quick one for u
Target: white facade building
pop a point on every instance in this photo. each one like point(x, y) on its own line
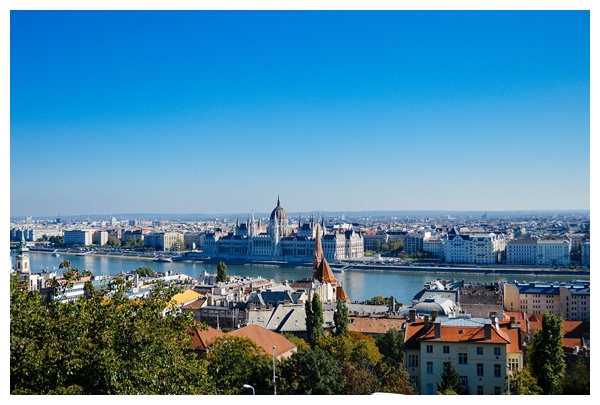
point(280, 242)
point(82, 237)
point(435, 246)
point(554, 252)
point(522, 251)
point(163, 240)
point(478, 248)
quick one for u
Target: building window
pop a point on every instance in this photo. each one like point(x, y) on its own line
point(497, 370)
point(462, 358)
point(480, 390)
point(479, 351)
point(496, 351)
point(465, 382)
point(429, 348)
point(414, 380)
point(497, 390)
point(446, 349)
point(413, 360)
point(430, 367)
point(479, 369)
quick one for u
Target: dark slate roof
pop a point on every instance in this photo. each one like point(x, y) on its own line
point(271, 297)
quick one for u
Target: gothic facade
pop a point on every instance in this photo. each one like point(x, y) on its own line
point(281, 241)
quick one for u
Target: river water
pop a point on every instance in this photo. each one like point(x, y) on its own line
point(360, 285)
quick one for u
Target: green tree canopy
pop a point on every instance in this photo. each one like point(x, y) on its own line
point(546, 355)
point(314, 320)
point(222, 272)
point(341, 319)
point(133, 243)
point(311, 372)
point(235, 361)
point(577, 379)
point(102, 346)
point(524, 383)
point(145, 272)
point(113, 242)
point(450, 380)
point(391, 346)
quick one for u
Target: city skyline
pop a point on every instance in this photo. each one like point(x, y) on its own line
point(222, 111)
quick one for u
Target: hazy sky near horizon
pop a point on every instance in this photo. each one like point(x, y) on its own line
point(222, 111)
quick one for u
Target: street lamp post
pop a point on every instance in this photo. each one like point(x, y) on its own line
point(508, 370)
point(274, 376)
point(247, 386)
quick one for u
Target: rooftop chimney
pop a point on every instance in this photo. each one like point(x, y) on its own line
point(434, 314)
point(487, 331)
point(412, 315)
point(437, 329)
point(426, 319)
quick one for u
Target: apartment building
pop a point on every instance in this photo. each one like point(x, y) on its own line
point(163, 240)
point(478, 248)
point(572, 301)
point(481, 352)
point(81, 237)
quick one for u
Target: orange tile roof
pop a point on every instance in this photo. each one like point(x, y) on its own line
point(576, 329)
point(324, 273)
point(196, 304)
point(571, 342)
point(468, 334)
point(341, 295)
point(505, 323)
point(265, 339)
point(375, 325)
point(414, 330)
point(201, 339)
point(515, 344)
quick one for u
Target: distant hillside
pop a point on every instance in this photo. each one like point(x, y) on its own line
point(326, 214)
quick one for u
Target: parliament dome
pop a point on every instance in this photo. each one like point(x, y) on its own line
point(278, 212)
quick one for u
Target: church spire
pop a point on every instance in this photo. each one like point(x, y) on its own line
point(317, 253)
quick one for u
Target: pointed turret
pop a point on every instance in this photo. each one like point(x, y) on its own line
point(317, 253)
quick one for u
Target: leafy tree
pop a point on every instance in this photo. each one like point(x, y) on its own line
point(450, 381)
point(133, 243)
point(314, 320)
point(546, 355)
point(57, 240)
point(379, 300)
point(222, 272)
point(577, 379)
point(100, 346)
point(113, 242)
point(297, 341)
point(358, 359)
point(145, 272)
point(340, 318)
point(391, 346)
point(524, 383)
point(395, 379)
point(311, 372)
point(235, 361)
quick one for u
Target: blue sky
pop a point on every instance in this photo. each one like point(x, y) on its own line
point(220, 112)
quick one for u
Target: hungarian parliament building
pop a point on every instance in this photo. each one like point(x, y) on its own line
point(283, 242)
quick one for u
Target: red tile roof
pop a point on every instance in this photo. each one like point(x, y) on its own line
point(201, 339)
point(467, 334)
point(265, 339)
point(324, 273)
point(375, 325)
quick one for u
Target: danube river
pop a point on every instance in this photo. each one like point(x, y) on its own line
point(360, 285)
